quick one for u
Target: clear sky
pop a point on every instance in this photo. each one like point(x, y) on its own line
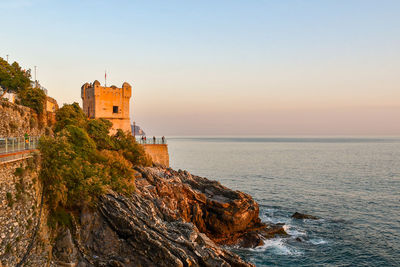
point(232, 67)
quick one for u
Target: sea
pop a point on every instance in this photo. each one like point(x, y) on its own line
point(352, 184)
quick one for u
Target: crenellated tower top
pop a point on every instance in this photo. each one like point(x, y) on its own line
point(110, 103)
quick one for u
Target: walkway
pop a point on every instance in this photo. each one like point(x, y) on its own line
point(16, 148)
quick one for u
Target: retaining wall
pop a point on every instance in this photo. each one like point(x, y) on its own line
point(158, 153)
point(20, 199)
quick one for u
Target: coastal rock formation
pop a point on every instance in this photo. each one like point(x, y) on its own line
point(302, 216)
point(173, 219)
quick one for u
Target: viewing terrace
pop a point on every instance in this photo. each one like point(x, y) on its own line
point(152, 141)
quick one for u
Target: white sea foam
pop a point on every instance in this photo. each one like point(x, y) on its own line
point(274, 220)
point(318, 241)
point(277, 246)
point(291, 230)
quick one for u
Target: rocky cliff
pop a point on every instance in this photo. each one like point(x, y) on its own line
point(17, 120)
point(173, 219)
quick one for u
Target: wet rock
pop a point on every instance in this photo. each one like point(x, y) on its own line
point(302, 216)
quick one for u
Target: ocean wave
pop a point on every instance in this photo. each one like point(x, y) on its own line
point(273, 219)
point(277, 246)
point(292, 231)
point(318, 241)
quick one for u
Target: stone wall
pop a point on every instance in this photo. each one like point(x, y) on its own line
point(158, 153)
point(20, 200)
point(17, 120)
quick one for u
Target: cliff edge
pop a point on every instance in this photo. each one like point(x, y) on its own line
point(173, 219)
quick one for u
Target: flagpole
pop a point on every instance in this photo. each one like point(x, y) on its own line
point(105, 78)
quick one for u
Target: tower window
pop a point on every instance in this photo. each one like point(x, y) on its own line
point(115, 109)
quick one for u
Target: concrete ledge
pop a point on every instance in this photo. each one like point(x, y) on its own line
point(20, 155)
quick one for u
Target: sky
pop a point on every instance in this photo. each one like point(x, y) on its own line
point(254, 67)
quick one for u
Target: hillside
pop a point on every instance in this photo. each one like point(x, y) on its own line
point(103, 207)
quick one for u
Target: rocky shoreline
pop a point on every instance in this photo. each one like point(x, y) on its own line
point(173, 219)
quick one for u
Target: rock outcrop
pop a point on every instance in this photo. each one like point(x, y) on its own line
point(173, 219)
point(302, 216)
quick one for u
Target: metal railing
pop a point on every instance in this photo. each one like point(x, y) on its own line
point(15, 144)
point(152, 141)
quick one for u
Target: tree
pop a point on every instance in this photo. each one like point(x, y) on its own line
point(33, 98)
point(70, 114)
point(13, 78)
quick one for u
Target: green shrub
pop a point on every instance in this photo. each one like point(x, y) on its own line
point(33, 98)
point(12, 77)
point(9, 199)
point(98, 130)
point(59, 217)
point(8, 248)
point(82, 161)
point(19, 172)
point(131, 150)
point(70, 115)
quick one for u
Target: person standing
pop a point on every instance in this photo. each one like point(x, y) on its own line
point(26, 136)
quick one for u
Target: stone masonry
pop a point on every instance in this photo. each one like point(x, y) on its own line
point(110, 103)
point(20, 199)
point(17, 120)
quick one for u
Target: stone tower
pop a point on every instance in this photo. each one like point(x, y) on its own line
point(109, 103)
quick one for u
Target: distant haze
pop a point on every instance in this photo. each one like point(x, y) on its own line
point(221, 67)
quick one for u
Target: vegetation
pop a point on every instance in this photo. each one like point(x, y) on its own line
point(33, 98)
point(13, 78)
point(82, 161)
point(9, 199)
point(8, 248)
point(19, 172)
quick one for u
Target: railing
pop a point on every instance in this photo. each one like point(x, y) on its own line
point(15, 144)
point(152, 141)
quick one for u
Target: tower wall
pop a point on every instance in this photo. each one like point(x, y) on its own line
point(110, 103)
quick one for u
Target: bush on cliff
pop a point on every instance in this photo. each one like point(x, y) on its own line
point(82, 161)
point(70, 115)
point(33, 98)
point(130, 149)
point(13, 78)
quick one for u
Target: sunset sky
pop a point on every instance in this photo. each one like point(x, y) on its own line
point(221, 67)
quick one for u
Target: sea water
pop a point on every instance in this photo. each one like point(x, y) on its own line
point(351, 184)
